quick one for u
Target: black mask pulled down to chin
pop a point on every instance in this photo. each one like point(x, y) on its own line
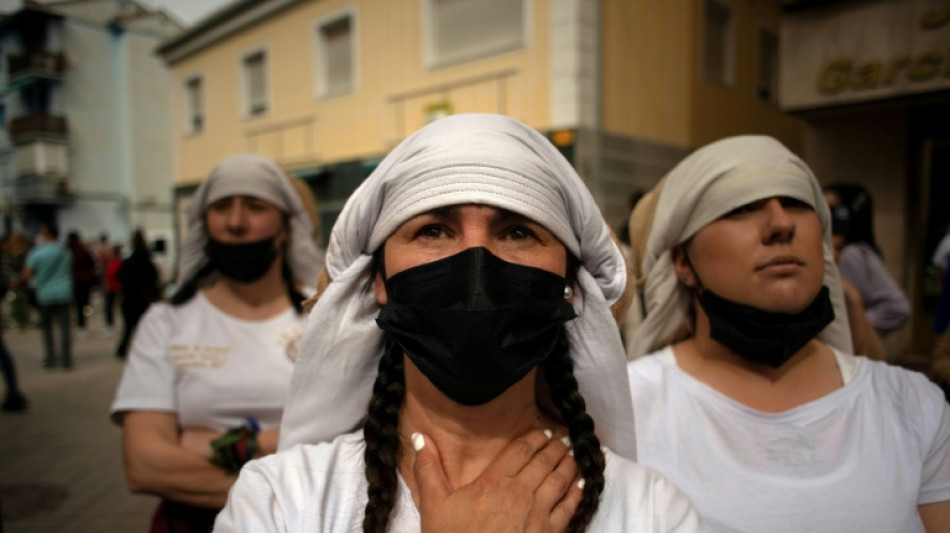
point(475, 324)
point(762, 336)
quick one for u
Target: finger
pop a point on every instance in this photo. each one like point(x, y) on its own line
point(556, 484)
point(518, 453)
point(430, 476)
point(562, 513)
point(544, 463)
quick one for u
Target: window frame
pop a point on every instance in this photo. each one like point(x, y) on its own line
point(431, 60)
point(321, 77)
point(728, 79)
point(761, 29)
point(246, 105)
point(190, 128)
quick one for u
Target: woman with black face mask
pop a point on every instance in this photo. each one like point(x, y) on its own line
point(745, 391)
point(462, 366)
point(208, 372)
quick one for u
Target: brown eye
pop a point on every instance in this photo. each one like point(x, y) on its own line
point(431, 231)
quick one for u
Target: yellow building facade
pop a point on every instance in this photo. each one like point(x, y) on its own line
point(328, 87)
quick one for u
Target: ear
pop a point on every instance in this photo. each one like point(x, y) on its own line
point(684, 273)
point(379, 289)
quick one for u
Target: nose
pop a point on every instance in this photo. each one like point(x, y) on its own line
point(236, 219)
point(779, 226)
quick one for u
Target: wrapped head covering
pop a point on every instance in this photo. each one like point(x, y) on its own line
point(484, 159)
point(257, 176)
point(708, 184)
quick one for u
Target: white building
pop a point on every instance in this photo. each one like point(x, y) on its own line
point(87, 114)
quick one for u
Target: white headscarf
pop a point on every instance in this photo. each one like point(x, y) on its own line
point(485, 159)
point(257, 176)
point(709, 183)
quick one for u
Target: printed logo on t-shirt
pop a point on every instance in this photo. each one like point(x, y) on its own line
point(290, 341)
point(198, 356)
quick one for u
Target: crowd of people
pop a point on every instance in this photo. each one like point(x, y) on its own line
point(45, 284)
point(478, 351)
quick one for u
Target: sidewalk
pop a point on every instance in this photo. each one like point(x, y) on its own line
point(61, 460)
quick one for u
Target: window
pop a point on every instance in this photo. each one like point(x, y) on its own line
point(255, 83)
point(194, 105)
point(767, 88)
point(336, 56)
point(461, 30)
point(718, 43)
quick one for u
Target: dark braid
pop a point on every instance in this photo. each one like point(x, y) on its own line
point(380, 431)
point(296, 297)
point(559, 373)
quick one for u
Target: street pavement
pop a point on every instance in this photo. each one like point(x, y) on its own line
point(61, 460)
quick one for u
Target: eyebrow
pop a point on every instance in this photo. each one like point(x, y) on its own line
point(451, 211)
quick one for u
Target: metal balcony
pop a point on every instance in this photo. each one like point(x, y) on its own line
point(38, 126)
point(36, 189)
point(25, 68)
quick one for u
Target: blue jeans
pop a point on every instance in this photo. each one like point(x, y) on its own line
point(60, 314)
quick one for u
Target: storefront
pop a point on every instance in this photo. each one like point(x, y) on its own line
point(871, 79)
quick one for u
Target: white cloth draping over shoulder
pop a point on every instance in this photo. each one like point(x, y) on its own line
point(486, 159)
point(257, 176)
point(709, 183)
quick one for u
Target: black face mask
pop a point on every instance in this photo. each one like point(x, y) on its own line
point(762, 336)
point(475, 324)
point(243, 263)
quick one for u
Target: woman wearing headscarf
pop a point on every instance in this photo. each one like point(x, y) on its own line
point(750, 399)
point(208, 372)
point(462, 366)
point(860, 259)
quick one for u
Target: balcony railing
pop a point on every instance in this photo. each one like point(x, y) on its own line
point(40, 190)
point(38, 126)
point(41, 64)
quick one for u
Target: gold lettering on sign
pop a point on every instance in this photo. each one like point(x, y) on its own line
point(926, 66)
point(936, 19)
point(893, 67)
point(834, 77)
point(866, 76)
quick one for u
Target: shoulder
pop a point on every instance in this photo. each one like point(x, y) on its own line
point(294, 489)
point(637, 498)
point(652, 368)
point(912, 397)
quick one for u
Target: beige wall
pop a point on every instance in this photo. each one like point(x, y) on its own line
point(648, 54)
point(724, 111)
point(393, 87)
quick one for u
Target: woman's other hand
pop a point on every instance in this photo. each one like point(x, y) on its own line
point(531, 486)
point(198, 441)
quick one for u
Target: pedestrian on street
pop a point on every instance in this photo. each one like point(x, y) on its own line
point(13, 399)
point(84, 277)
point(138, 278)
point(111, 286)
point(208, 372)
point(20, 305)
point(49, 267)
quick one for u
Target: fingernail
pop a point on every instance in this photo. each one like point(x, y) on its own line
point(566, 440)
point(580, 484)
point(418, 442)
point(549, 434)
point(571, 452)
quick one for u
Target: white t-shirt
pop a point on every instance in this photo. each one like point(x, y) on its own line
point(323, 488)
point(212, 369)
point(859, 459)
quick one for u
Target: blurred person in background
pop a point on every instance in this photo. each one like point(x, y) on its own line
point(138, 279)
point(13, 399)
point(861, 261)
point(747, 395)
point(111, 286)
point(84, 278)
point(49, 268)
point(208, 372)
point(20, 304)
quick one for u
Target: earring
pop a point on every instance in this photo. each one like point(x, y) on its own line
point(568, 292)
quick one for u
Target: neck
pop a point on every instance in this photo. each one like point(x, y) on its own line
point(468, 438)
point(808, 375)
point(261, 298)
